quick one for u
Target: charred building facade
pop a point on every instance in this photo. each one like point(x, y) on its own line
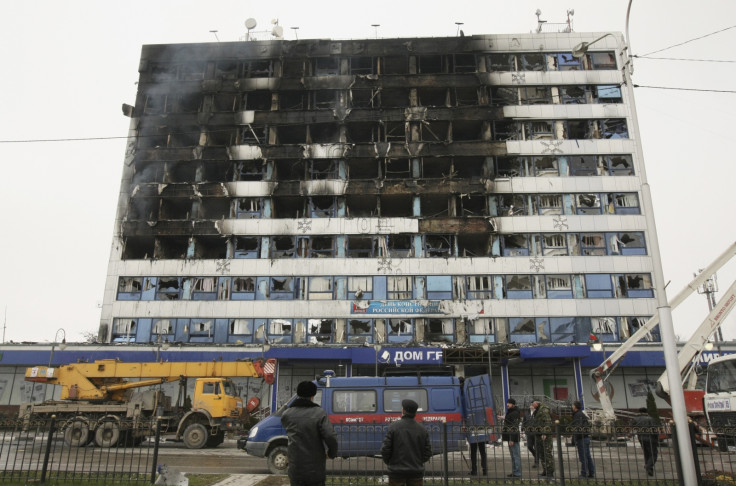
point(463, 194)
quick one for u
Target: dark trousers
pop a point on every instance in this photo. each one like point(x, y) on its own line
point(405, 481)
point(531, 445)
point(651, 450)
point(306, 482)
point(478, 448)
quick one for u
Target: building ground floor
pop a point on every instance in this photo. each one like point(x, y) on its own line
point(560, 373)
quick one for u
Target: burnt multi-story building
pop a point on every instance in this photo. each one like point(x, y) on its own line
point(350, 202)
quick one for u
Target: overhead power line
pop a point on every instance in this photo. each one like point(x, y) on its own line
point(687, 89)
point(688, 41)
point(681, 59)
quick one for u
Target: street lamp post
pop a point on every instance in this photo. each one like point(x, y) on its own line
point(666, 327)
point(62, 344)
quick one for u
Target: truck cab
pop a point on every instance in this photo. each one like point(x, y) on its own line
point(361, 409)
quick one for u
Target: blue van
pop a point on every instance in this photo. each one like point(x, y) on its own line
point(361, 409)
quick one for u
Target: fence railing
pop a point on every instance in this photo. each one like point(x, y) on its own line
point(619, 458)
point(67, 450)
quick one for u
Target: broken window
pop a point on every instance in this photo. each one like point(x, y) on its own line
point(227, 70)
point(244, 288)
point(360, 288)
point(364, 98)
point(479, 287)
point(546, 166)
point(283, 247)
point(243, 328)
point(481, 330)
point(292, 134)
point(535, 95)
point(501, 62)
point(433, 206)
point(627, 244)
point(602, 60)
point(472, 205)
point(505, 130)
point(363, 65)
point(162, 72)
point(511, 167)
point(629, 326)
point(438, 246)
point(280, 331)
point(399, 330)
point(634, 286)
point(321, 247)
point(554, 244)
point(364, 132)
point(504, 96)
point(511, 205)
point(464, 63)
point(566, 62)
point(162, 328)
point(281, 288)
point(362, 246)
point(251, 134)
point(257, 100)
point(320, 330)
point(130, 288)
point(538, 130)
point(360, 331)
point(325, 99)
point(292, 68)
point(523, 329)
point(358, 206)
point(210, 247)
point(171, 247)
point(396, 168)
point(613, 128)
point(573, 95)
point(293, 100)
point(124, 330)
point(465, 96)
point(324, 133)
point(322, 207)
point(260, 68)
point(592, 244)
point(394, 98)
point(399, 246)
point(564, 330)
point(204, 288)
point(467, 130)
point(395, 65)
point(435, 131)
point(436, 168)
point(290, 170)
point(137, 248)
point(620, 165)
point(532, 62)
point(432, 96)
point(439, 287)
point(549, 204)
point(588, 204)
point(608, 94)
point(192, 71)
point(326, 66)
point(558, 286)
point(201, 330)
point(248, 207)
point(168, 289)
point(518, 286)
point(249, 170)
point(623, 203)
point(247, 247)
point(583, 165)
point(321, 288)
point(473, 245)
point(214, 208)
point(399, 287)
point(321, 169)
point(226, 102)
point(363, 168)
point(397, 206)
point(439, 330)
point(578, 130)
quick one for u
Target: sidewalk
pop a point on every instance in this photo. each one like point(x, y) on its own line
point(243, 480)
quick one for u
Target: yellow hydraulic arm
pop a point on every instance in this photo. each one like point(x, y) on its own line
point(101, 379)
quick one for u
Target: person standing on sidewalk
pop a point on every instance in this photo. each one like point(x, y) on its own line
point(581, 439)
point(648, 435)
point(531, 436)
point(406, 448)
point(544, 425)
point(512, 435)
point(311, 438)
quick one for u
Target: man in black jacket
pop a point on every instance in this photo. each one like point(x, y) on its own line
point(648, 434)
point(310, 432)
point(581, 438)
point(512, 435)
point(406, 448)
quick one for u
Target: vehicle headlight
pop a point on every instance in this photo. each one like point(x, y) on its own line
point(253, 432)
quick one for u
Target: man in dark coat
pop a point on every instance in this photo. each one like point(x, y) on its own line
point(310, 433)
point(581, 438)
point(406, 448)
point(511, 435)
point(648, 435)
point(531, 436)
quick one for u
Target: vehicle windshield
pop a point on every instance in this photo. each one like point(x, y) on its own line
point(228, 387)
point(722, 377)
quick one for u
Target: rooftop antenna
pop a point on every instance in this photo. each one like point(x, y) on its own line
point(458, 27)
point(376, 26)
point(5, 323)
point(570, 13)
point(215, 34)
point(250, 24)
point(296, 34)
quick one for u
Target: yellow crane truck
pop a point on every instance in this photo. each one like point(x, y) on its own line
point(100, 401)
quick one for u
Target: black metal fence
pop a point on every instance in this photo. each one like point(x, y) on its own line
point(619, 456)
point(71, 450)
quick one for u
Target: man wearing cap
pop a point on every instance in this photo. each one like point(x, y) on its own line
point(511, 434)
point(310, 433)
point(406, 448)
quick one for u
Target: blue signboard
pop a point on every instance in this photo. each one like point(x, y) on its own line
point(399, 356)
point(396, 307)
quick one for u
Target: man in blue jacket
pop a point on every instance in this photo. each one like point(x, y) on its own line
point(406, 448)
point(310, 432)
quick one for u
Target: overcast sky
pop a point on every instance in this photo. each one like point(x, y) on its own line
point(69, 66)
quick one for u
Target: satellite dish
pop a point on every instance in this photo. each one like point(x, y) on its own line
point(250, 23)
point(572, 11)
point(538, 13)
point(275, 21)
point(277, 31)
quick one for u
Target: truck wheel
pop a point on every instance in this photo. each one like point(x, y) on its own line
point(77, 433)
point(107, 434)
point(278, 460)
point(195, 436)
point(216, 440)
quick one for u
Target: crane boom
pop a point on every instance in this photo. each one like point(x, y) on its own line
point(600, 373)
